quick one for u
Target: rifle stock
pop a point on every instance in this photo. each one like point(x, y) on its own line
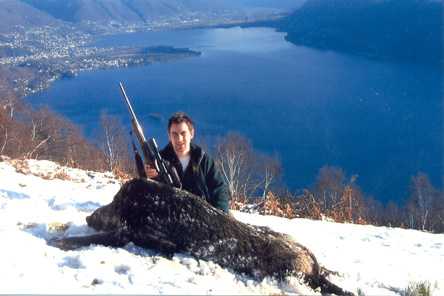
point(153, 160)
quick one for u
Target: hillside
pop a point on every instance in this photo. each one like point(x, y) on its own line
point(16, 15)
point(105, 15)
point(410, 31)
point(130, 10)
point(41, 201)
point(48, 36)
point(287, 4)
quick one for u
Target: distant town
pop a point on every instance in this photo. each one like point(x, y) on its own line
point(33, 57)
point(63, 51)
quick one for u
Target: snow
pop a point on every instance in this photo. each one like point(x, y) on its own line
point(36, 207)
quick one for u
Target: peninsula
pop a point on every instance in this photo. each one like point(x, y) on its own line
point(50, 55)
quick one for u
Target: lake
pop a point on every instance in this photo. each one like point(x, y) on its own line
point(381, 120)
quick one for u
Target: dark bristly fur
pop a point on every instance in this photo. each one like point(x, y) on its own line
point(155, 216)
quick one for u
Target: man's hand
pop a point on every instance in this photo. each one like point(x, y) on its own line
point(150, 172)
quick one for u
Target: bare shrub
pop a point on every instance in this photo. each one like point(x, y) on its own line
point(308, 206)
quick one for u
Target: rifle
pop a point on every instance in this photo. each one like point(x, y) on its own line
point(152, 156)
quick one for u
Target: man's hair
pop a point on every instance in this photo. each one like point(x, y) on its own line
point(178, 118)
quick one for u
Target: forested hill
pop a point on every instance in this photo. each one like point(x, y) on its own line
point(407, 30)
point(16, 15)
point(129, 10)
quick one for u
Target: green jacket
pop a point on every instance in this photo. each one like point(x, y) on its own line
point(202, 177)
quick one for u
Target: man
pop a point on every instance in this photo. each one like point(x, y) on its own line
point(193, 169)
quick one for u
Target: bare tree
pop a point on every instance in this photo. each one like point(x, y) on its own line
point(393, 215)
point(248, 173)
point(28, 132)
point(437, 214)
point(81, 153)
point(237, 162)
point(10, 103)
point(329, 187)
point(112, 141)
point(51, 136)
point(47, 133)
point(10, 128)
point(339, 198)
point(271, 171)
point(373, 212)
point(352, 207)
point(5, 129)
point(419, 206)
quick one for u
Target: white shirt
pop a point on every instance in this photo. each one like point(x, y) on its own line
point(185, 161)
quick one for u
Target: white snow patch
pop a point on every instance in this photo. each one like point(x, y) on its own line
point(34, 210)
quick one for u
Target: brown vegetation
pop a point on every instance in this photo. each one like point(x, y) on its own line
point(26, 132)
point(254, 179)
point(424, 209)
point(333, 196)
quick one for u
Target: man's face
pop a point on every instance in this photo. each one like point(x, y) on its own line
point(180, 136)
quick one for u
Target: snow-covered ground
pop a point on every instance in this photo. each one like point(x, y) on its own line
point(35, 207)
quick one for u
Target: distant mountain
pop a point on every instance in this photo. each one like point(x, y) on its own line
point(127, 10)
point(286, 4)
point(407, 30)
point(15, 15)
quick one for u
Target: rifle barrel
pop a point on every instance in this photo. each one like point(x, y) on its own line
point(155, 161)
point(130, 108)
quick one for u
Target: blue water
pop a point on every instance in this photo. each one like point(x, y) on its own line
point(381, 120)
